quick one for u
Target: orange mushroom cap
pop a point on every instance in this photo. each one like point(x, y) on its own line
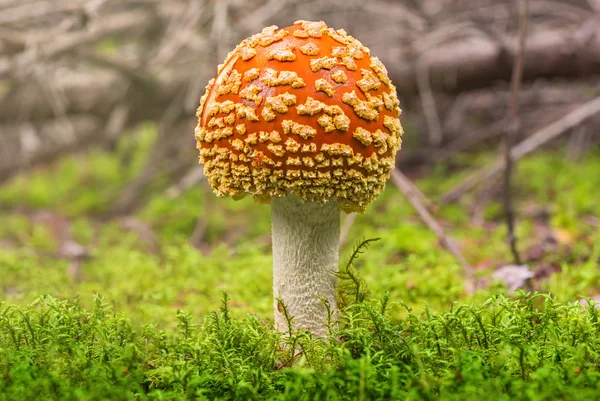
point(303, 110)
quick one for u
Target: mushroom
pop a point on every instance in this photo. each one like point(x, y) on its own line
point(304, 118)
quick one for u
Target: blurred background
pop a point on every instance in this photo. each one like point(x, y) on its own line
point(101, 191)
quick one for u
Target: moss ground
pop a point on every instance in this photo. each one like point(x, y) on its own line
point(143, 316)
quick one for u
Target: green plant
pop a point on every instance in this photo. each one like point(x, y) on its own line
point(530, 348)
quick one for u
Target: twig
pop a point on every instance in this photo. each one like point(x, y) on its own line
point(38, 33)
point(16, 40)
point(31, 11)
point(219, 25)
point(199, 231)
point(469, 140)
point(25, 145)
point(397, 10)
point(428, 104)
point(194, 92)
point(219, 32)
point(126, 200)
point(116, 25)
point(541, 137)
point(257, 18)
point(406, 187)
point(578, 143)
point(479, 61)
point(183, 30)
point(117, 120)
point(484, 196)
point(56, 99)
point(421, 196)
point(133, 72)
point(195, 176)
point(513, 129)
point(441, 35)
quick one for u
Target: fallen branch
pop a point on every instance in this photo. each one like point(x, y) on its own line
point(128, 198)
point(411, 188)
point(525, 147)
point(468, 141)
point(175, 56)
point(192, 178)
point(478, 62)
point(27, 145)
point(407, 188)
point(31, 11)
point(134, 73)
point(124, 22)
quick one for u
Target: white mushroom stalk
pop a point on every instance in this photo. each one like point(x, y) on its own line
point(305, 260)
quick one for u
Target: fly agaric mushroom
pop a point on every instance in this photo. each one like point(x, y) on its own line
point(305, 118)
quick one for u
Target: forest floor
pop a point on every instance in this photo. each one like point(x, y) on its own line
point(66, 265)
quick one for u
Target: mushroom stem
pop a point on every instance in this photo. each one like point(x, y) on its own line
point(305, 260)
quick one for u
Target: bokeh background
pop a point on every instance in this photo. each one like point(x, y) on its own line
point(101, 191)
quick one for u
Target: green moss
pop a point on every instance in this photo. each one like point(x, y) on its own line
point(503, 349)
point(408, 262)
point(492, 348)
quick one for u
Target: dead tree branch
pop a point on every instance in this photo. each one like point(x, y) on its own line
point(122, 63)
point(119, 24)
point(193, 178)
point(478, 62)
point(541, 137)
point(27, 145)
point(407, 188)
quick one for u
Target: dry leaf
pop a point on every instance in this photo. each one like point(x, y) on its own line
point(514, 276)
